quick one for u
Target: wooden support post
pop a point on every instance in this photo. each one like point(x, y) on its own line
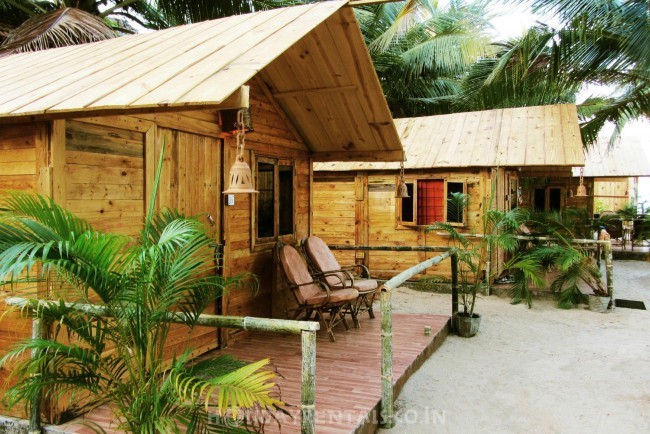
point(35, 405)
point(386, 412)
point(454, 289)
point(307, 404)
point(609, 272)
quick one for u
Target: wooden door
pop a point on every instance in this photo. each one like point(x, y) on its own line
point(191, 183)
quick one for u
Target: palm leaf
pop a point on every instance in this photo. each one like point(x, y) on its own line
point(65, 26)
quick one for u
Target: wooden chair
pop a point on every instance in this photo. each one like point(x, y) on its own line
point(322, 260)
point(314, 296)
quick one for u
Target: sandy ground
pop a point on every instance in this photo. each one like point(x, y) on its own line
point(539, 370)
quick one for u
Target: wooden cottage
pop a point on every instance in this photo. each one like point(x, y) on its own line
point(84, 124)
point(355, 204)
point(612, 174)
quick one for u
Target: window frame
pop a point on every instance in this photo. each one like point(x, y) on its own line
point(267, 243)
point(413, 180)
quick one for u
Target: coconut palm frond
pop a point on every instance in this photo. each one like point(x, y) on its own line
point(244, 387)
point(527, 272)
point(66, 26)
point(400, 18)
point(448, 55)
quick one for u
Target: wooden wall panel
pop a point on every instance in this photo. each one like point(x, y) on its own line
point(104, 176)
point(611, 194)
point(335, 200)
point(273, 137)
point(18, 171)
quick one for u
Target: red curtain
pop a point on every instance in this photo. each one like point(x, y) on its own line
point(431, 205)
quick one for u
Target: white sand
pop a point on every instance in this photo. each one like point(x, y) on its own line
point(541, 370)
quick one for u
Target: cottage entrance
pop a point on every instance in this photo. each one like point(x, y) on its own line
point(191, 183)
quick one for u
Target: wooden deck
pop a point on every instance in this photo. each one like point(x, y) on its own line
point(348, 373)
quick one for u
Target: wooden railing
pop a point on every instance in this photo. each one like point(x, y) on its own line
point(307, 330)
point(387, 398)
point(386, 409)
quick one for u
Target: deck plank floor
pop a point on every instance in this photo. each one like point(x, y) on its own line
point(348, 371)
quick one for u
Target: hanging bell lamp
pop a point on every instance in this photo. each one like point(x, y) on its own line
point(241, 178)
point(582, 189)
point(402, 190)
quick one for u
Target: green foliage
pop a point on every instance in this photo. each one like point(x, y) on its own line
point(499, 230)
point(597, 43)
point(574, 264)
point(421, 50)
point(114, 353)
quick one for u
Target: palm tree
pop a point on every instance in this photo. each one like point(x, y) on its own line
point(525, 71)
point(604, 43)
point(421, 50)
point(114, 353)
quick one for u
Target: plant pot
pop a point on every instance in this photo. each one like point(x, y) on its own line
point(628, 225)
point(467, 326)
point(597, 303)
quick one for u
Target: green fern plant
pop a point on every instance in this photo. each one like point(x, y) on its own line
point(574, 264)
point(115, 354)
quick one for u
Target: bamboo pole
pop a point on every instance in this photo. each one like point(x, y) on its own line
point(35, 405)
point(245, 323)
point(416, 269)
point(307, 404)
point(609, 272)
point(386, 412)
point(307, 330)
point(390, 248)
point(454, 290)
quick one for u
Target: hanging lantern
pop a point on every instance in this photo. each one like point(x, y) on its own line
point(402, 189)
point(582, 189)
point(241, 178)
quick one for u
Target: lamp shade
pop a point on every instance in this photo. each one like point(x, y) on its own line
point(402, 190)
point(241, 179)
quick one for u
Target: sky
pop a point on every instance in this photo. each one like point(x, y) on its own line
point(512, 21)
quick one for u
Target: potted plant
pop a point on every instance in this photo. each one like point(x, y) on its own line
point(498, 230)
point(627, 215)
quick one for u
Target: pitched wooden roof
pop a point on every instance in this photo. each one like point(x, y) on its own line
point(528, 136)
point(628, 157)
point(312, 58)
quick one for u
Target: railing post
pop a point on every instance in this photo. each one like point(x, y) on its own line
point(454, 289)
point(386, 412)
point(307, 404)
point(35, 405)
point(609, 272)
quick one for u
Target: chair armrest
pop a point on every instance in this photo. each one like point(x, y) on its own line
point(336, 273)
point(313, 282)
point(365, 273)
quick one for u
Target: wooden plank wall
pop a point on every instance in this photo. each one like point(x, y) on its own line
point(334, 214)
point(19, 146)
point(337, 196)
point(104, 176)
point(611, 194)
point(273, 137)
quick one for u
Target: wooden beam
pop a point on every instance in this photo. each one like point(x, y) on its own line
point(321, 90)
point(267, 92)
point(236, 100)
point(358, 156)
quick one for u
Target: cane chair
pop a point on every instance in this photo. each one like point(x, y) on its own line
point(322, 260)
point(313, 295)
